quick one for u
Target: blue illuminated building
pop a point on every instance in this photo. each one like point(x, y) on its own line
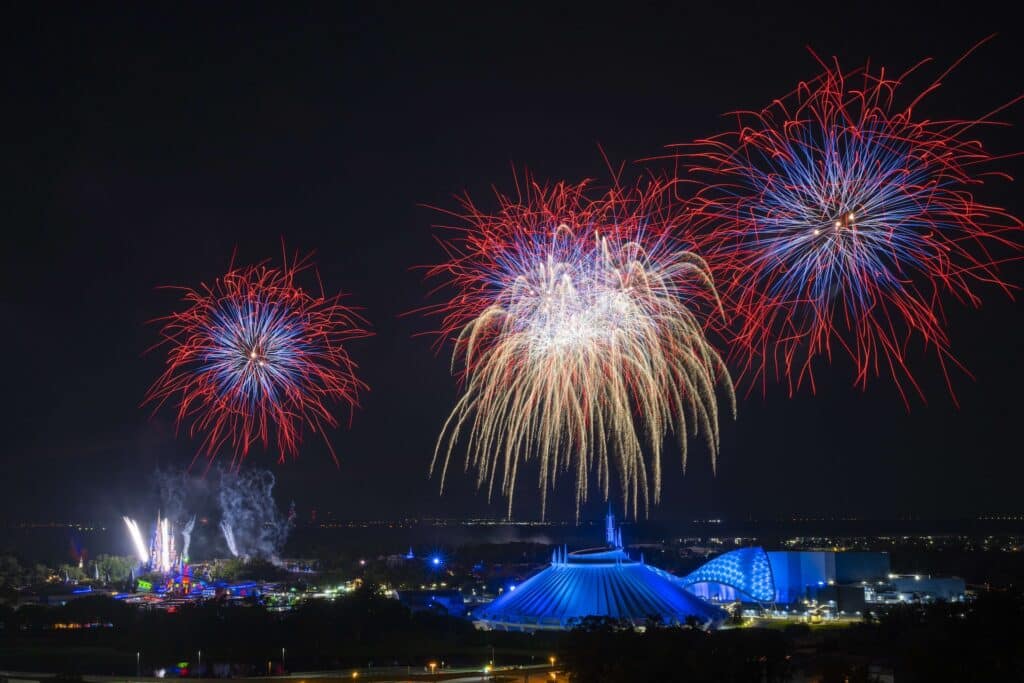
point(744, 574)
point(448, 601)
point(782, 577)
point(603, 582)
point(606, 582)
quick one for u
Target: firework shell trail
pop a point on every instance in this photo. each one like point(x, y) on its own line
point(136, 537)
point(229, 537)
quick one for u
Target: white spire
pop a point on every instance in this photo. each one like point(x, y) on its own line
point(609, 527)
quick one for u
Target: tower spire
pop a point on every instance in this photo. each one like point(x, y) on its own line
point(609, 527)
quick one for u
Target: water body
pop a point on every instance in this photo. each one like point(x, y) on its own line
point(55, 543)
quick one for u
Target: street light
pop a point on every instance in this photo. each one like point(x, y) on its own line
point(138, 667)
point(433, 666)
point(282, 659)
point(199, 658)
point(552, 660)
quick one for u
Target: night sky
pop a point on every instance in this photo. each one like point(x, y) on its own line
point(143, 147)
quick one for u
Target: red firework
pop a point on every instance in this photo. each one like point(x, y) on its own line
point(255, 357)
point(577, 320)
point(836, 221)
point(485, 248)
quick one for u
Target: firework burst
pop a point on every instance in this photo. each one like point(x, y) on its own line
point(836, 222)
point(256, 358)
point(578, 334)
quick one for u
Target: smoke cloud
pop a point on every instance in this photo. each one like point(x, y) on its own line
point(248, 509)
point(240, 505)
point(186, 537)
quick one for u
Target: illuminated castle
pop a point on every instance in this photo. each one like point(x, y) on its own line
point(603, 582)
point(162, 554)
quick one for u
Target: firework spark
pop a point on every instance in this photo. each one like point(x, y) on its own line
point(163, 530)
point(229, 537)
point(578, 335)
point(255, 354)
point(136, 536)
point(835, 221)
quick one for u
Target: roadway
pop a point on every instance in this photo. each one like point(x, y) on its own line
point(502, 674)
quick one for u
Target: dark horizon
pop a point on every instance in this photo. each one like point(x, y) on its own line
point(149, 146)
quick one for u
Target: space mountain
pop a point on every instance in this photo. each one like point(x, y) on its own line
point(602, 582)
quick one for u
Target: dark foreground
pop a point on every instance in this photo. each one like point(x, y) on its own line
point(376, 637)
